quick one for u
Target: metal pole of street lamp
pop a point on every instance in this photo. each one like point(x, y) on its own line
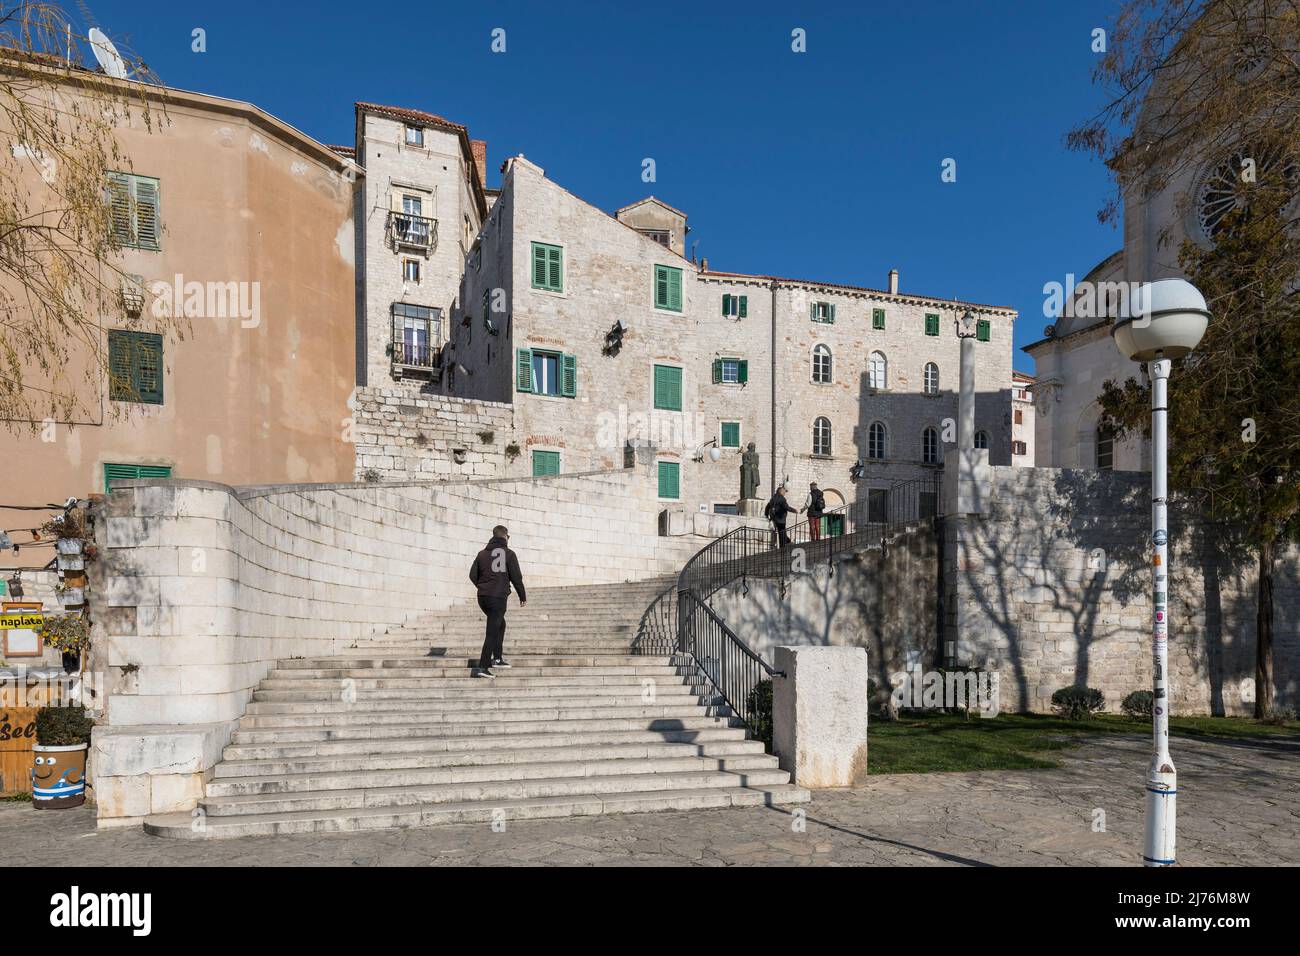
point(1165, 320)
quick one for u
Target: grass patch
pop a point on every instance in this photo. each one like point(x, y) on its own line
point(20, 797)
point(943, 743)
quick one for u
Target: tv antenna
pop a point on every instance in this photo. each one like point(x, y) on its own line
point(107, 54)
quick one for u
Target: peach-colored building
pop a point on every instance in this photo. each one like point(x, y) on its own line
point(244, 225)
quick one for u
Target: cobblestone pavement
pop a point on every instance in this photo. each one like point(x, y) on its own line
point(1238, 803)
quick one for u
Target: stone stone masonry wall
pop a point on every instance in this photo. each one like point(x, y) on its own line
point(203, 587)
point(406, 436)
point(1052, 587)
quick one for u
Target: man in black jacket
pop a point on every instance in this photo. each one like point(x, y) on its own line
point(776, 511)
point(493, 572)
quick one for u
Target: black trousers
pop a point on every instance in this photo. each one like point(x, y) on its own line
point(782, 539)
point(495, 609)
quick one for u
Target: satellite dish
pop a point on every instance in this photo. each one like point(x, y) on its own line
point(107, 54)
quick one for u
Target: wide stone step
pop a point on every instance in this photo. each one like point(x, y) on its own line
point(367, 761)
point(336, 712)
point(700, 720)
point(467, 746)
point(439, 698)
point(569, 709)
point(345, 669)
point(461, 672)
point(186, 826)
point(394, 777)
point(369, 797)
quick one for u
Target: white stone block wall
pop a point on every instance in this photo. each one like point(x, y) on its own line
point(203, 587)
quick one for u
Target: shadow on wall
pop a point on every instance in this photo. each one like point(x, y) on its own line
point(884, 599)
point(1055, 584)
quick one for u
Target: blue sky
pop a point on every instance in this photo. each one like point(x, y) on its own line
point(824, 164)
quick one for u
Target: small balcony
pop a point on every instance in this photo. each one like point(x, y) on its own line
point(416, 345)
point(408, 231)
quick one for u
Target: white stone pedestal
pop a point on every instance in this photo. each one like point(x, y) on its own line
point(819, 715)
point(750, 507)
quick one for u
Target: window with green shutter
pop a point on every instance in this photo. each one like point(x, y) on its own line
point(135, 367)
point(735, 306)
point(548, 267)
point(114, 472)
point(668, 388)
point(545, 463)
point(668, 288)
point(730, 371)
point(982, 330)
point(730, 435)
point(546, 373)
point(670, 479)
point(877, 318)
point(931, 324)
point(134, 210)
point(823, 312)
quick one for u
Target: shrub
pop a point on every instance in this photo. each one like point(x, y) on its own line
point(1138, 704)
point(69, 633)
point(1076, 703)
point(1279, 716)
point(760, 712)
point(62, 726)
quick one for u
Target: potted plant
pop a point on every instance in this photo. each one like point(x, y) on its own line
point(59, 755)
point(68, 634)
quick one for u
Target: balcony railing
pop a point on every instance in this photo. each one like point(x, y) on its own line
point(417, 356)
point(415, 232)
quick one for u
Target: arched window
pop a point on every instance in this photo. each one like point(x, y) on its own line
point(1105, 449)
point(981, 439)
point(931, 379)
point(822, 436)
point(930, 446)
point(878, 371)
point(821, 361)
point(877, 441)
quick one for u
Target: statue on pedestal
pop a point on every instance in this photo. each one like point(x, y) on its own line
point(749, 473)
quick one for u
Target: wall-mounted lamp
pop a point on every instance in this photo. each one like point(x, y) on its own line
point(614, 338)
point(858, 471)
point(715, 452)
point(967, 322)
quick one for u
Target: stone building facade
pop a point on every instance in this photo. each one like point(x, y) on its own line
point(600, 336)
point(1022, 420)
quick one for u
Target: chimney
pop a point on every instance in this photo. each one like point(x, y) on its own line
point(893, 282)
point(478, 147)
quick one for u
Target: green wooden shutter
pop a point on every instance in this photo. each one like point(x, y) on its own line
point(812, 311)
point(146, 213)
point(668, 388)
point(931, 324)
point(982, 330)
point(717, 371)
point(670, 484)
point(831, 316)
point(569, 376)
point(661, 287)
point(114, 472)
point(742, 371)
point(555, 271)
point(726, 305)
point(675, 289)
point(539, 266)
point(731, 434)
point(119, 207)
point(524, 370)
point(545, 463)
point(878, 318)
point(744, 306)
point(120, 379)
point(148, 367)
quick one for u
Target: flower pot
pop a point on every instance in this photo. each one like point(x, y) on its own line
point(72, 597)
point(71, 662)
point(68, 545)
point(71, 562)
point(59, 776)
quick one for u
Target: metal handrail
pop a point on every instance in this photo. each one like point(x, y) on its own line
point(722, 658)
point(656, 632)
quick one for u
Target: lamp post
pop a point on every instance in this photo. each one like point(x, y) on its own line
point(966, 332)
point(1165, 321)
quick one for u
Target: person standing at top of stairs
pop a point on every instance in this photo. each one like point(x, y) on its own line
point(494, 571)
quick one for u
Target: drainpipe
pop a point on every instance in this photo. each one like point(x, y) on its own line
point(772, 363)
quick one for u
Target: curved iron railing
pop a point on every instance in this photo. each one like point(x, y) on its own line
point(680, 623)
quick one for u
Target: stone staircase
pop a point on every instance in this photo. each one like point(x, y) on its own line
point(395, 733)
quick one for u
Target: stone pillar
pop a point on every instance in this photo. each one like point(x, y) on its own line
point(819, 715)
point(966, 395)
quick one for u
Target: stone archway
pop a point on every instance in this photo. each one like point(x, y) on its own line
point(834, 499)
